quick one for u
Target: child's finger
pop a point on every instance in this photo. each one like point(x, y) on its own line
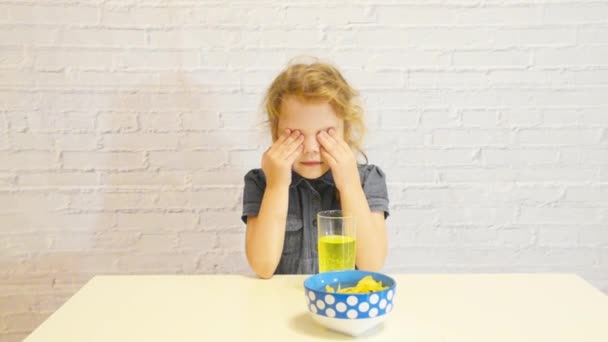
point(289, 149)
point(295, 154)
point(328, 143)
point(293, 138)
point(328, 157)
point(285, 134)
point(338, 140)
point(294, 143)
point(281, 139)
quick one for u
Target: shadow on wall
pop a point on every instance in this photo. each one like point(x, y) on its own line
point(167, 180)
point(154, 187)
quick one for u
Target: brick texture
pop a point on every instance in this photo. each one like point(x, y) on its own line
point(126, 128)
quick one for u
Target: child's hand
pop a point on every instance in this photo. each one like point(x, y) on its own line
point(340, 158)
point(279, 158)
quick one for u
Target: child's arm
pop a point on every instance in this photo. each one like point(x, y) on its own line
point(371, 227)
point(266, 231)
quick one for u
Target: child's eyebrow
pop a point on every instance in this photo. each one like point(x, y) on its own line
point(322, 129)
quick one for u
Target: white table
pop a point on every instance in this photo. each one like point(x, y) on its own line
point(428, 307)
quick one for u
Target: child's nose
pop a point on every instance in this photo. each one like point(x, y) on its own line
point(311, 145)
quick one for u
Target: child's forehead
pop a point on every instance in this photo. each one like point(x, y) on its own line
point(297, 114)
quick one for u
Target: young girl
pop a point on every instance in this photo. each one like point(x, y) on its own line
point(310, 167)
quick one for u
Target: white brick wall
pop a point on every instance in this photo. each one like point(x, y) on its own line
point(126, 128)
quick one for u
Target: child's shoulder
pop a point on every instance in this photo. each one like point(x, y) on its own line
point(371, 173)
point(366, 169)
point(256, 175)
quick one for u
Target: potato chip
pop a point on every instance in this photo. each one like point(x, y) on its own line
point(366, 285)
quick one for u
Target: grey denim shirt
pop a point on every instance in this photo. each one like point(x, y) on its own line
point(306, 198)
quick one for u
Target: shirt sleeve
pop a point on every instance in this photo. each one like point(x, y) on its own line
point(374, 186)
point(253, 192)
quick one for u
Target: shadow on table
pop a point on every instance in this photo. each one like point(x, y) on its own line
point(304, 325)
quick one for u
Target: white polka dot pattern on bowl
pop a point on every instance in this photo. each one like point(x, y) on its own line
point(351, 314)
point(349, 306)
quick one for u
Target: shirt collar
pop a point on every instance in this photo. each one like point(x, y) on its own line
point(327, 178)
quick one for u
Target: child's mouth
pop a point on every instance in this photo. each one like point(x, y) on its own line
point(312, 163)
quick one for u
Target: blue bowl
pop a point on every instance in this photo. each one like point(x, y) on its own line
point(351, 313)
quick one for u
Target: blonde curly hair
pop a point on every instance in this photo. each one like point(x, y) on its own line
point(317, 81)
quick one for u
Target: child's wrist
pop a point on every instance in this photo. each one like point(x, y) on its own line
point(277, 186)
point(350, 189)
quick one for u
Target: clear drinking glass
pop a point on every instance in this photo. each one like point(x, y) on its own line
point(336, 241)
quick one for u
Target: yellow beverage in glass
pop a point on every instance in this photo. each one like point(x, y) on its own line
point(336, 252)
point(336, 241)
